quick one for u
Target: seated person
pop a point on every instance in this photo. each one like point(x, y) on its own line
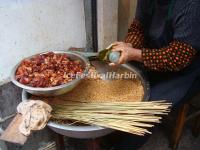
point(165, 38)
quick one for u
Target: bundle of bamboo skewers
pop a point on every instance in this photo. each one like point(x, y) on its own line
point(131, 117)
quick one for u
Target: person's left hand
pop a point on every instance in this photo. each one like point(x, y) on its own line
point(128, 53)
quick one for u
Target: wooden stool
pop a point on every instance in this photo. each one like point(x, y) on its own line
point(181, 119)
point(60, 145)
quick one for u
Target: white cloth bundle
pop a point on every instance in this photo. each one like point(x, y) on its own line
point(35, 115)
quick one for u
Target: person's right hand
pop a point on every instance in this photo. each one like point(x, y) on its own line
point(127, 52)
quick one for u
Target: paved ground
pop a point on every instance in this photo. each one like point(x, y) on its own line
point(10, 96)
point(158, 141)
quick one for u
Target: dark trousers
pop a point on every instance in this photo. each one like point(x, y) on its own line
point(125, 141)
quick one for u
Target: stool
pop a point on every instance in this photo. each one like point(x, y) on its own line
point(181, 119)
point(60, 145)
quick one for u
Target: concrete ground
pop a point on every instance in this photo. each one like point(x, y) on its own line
point(159, 141)
point(10, 96)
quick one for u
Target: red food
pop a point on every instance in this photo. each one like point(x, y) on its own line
point(48, 70)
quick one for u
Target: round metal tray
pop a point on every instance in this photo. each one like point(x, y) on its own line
point(85, 132)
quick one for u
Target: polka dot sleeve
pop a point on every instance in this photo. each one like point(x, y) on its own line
point(175, 57)
point(135, 35)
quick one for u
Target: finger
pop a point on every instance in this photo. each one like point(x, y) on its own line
point(111, 45)
point(129, 44)
point(112, 64)
point(118, 44)
point(121, 60)
point(118, 49)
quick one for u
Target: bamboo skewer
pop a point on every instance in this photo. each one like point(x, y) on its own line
point(131, 117)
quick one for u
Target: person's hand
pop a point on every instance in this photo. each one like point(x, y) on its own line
point(128, 53)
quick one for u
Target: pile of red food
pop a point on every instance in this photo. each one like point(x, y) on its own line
point(48, 70)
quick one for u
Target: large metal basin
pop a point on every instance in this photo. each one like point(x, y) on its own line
point(86, 132)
